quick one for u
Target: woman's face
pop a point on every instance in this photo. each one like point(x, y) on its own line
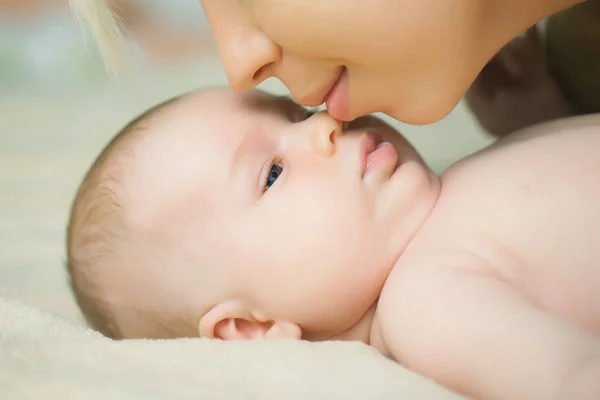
point(411, 59)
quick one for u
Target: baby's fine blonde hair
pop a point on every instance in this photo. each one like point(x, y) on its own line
point(98, 229)
point(97, 17)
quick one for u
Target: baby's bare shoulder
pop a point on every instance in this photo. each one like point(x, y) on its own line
point(573, 140)
point(449, 317)
point(534, 178)
point(508, 220)
point(431, 263)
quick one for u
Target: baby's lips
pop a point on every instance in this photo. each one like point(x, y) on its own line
point(368, 145)
point(383, 155)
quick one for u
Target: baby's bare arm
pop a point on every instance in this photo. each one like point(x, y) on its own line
point(477, 335)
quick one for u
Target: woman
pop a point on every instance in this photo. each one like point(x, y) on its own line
point(411, 59)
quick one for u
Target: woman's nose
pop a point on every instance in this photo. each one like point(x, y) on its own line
point(249, 58)
point(324, 131)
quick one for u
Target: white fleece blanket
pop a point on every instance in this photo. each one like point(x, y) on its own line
point(47, 140)
point(44, 356)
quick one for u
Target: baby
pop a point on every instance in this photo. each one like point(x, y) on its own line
point(243, 216)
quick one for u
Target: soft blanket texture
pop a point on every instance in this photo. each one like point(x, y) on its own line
point(42, 355)
point(47, 142)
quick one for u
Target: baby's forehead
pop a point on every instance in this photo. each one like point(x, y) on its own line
point(214, 119)
point(189, 146)
point(216, 113)
point(266, 102)
point(253, 101)
point(224, 100)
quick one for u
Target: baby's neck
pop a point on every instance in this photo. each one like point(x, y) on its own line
point(366, 329)
point(361, 331)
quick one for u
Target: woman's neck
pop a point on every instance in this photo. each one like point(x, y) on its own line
point(504, 19)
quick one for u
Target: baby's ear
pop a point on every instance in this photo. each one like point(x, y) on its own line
point(231, 320)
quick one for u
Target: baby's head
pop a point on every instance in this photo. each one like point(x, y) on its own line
point(241, 215)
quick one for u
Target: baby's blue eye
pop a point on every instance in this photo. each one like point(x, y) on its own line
point(274, 172)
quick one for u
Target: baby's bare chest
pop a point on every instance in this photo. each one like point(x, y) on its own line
point(533, 214)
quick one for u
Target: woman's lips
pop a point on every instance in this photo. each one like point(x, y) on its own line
point(326, 93)
point(337, 98)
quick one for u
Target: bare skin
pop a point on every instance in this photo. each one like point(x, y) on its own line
point(484, 279)
point(412, 60)
point(532, 80)
point(516, 88)
point(497, 296)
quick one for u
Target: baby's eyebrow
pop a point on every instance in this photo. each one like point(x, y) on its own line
point(293, 106)
point(280, 105)
point(248, 144)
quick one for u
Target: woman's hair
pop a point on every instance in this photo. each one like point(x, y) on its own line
point(97, 18)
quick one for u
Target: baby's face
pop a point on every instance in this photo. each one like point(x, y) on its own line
point(250, 198)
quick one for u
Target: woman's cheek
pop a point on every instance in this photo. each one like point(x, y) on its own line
point(284, 22)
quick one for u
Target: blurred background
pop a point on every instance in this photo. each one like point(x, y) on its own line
point(58, 108)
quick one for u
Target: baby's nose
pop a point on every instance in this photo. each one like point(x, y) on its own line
point(324, 132)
